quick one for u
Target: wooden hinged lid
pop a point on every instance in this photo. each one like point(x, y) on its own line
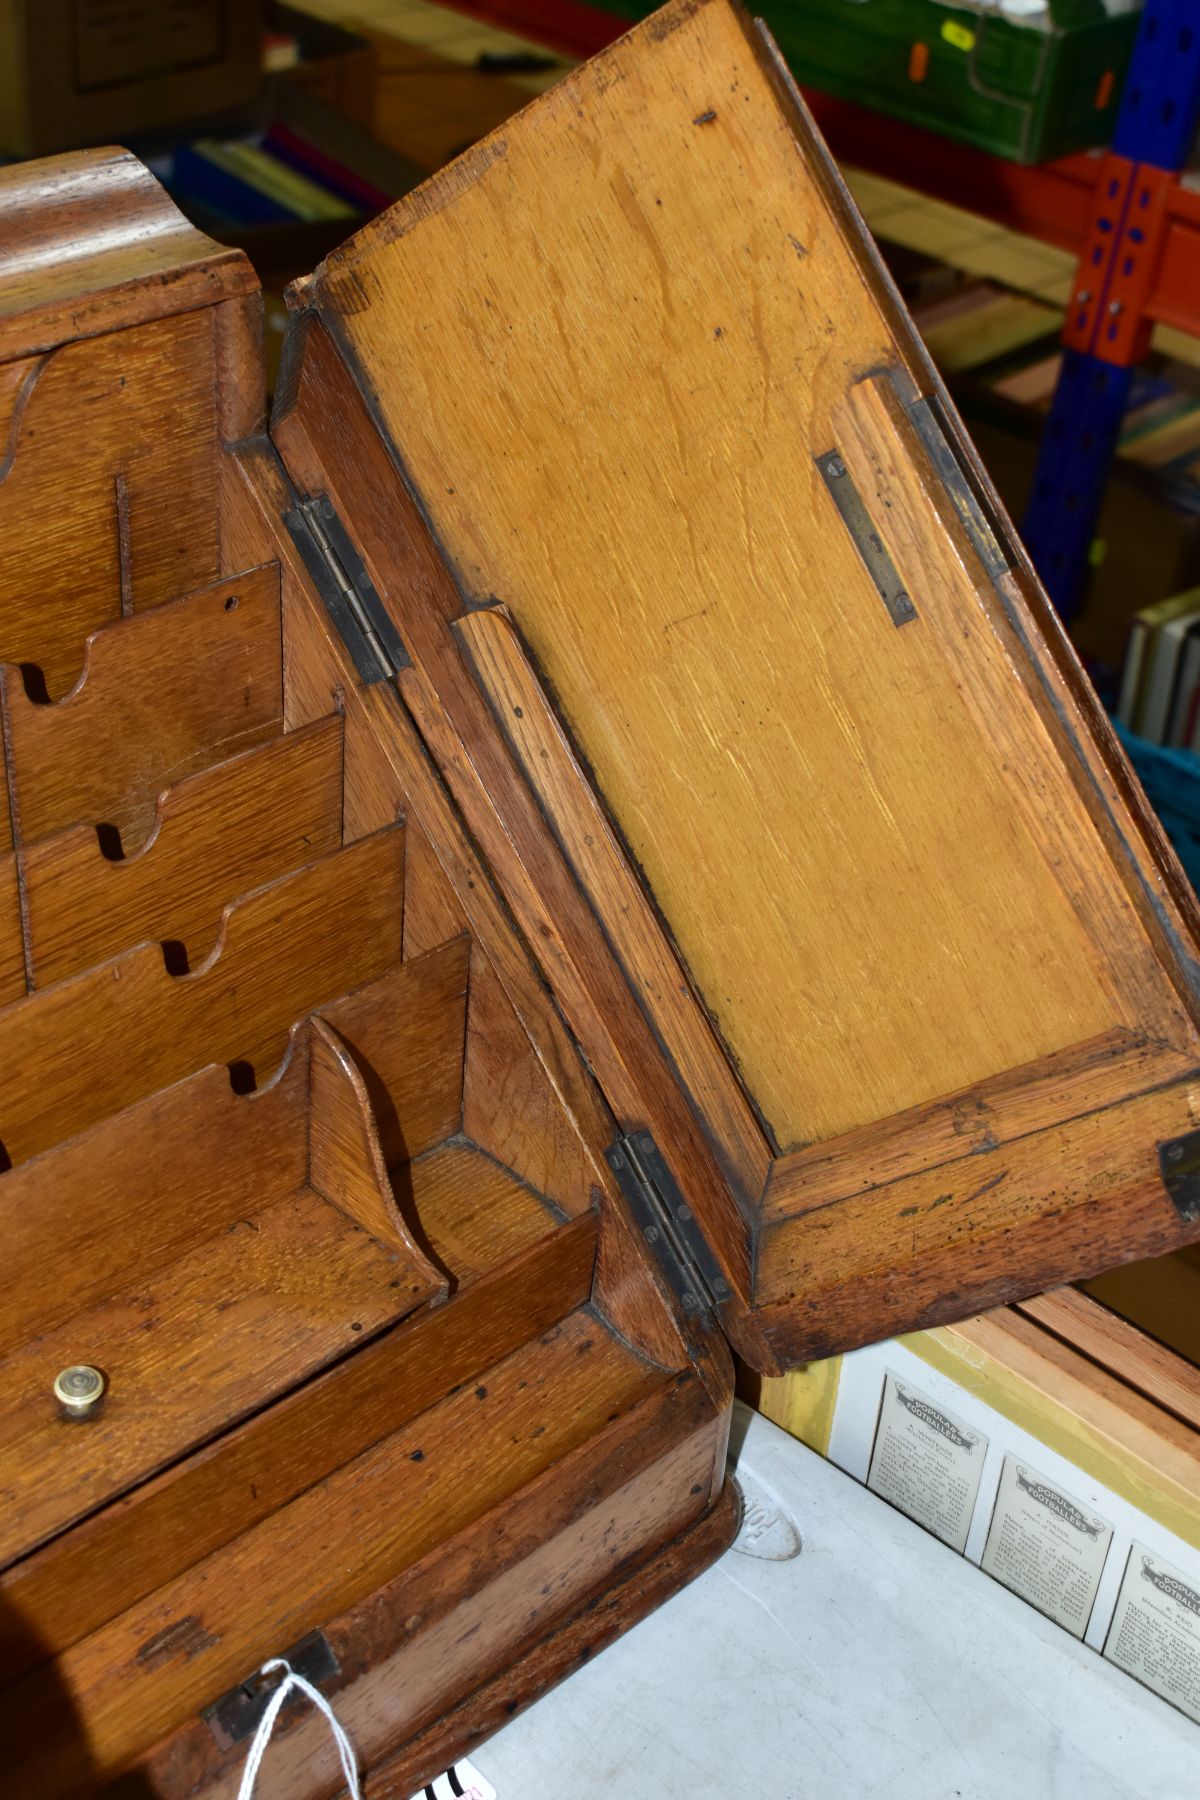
point(903, 930)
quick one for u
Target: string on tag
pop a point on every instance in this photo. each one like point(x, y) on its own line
point(266, 1726)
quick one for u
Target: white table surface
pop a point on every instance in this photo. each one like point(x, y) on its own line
point(876, 1662)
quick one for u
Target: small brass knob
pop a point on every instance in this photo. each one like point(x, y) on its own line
point(79, 1390)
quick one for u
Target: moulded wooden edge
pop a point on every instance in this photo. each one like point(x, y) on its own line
point(1081, 718)
point(91, 243)
point(1084, 1078)
point(1062, 1203)
point(601, 1618)
point(596, 1625)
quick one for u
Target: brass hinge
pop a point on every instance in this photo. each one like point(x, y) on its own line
point(668, 1225)
point(347, 592)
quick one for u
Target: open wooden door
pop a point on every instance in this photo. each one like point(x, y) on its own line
point(743, 682)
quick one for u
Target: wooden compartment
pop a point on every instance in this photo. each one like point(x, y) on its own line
point(485, 921)
point(295, 1151)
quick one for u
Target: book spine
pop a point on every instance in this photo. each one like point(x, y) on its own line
point(308, 159)
point(195, 173)
point(1131, 675)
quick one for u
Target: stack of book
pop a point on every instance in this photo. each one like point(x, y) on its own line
point(1160, 680)
point(274, 177)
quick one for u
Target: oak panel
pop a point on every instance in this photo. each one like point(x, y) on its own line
point(983, 1229)
point(108, 487)
point(118, 1557)
point(217, 834)
point(133, 1027)
point(139, 718)
point(616, 439)
point(474, 1212)
point(143, 1186)
point(191, 1350)
point(132, 1680)
point(407, 1033)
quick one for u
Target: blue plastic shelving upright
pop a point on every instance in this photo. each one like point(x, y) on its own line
point(1103, 336)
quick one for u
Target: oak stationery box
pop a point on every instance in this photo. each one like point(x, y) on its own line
point(579, 847)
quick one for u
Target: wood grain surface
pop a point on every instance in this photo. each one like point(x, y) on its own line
point(614, 1500)
point(217, 834)
point(983, 1229)
point(92, 243)
point(133, 1027)
point(327, 437)
point(108, 1207)
point(165, 1657)
point(868, 899)
point(138, 718)
point(207, 1339)
point(492, 1217)
point(407, 1034)
point(108, 486)
point(121, 1555)
point(346, 1164)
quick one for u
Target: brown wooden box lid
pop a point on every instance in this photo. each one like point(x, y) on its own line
point(903, 928)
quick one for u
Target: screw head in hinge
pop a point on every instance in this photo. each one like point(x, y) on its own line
point(835, 466)
point(79, 1390)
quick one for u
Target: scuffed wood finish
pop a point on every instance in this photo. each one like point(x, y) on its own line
point(973, 1122)
point(90, 242)
point(138, 718)
point(108, 485)
point(118, 1557)
point(134, 1680)
point(606, 1617)
point(984, 1229)
point(773, 749)
point(207, 1339)
point(216, 835)
point(133, 1026)
point(474, 1601)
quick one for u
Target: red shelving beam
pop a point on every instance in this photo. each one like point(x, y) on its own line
point(1054, 202)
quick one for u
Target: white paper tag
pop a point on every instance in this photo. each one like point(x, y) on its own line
point(926, 1462)
point(1045, 1547)
point(462, 1782)
point(1155, 1633)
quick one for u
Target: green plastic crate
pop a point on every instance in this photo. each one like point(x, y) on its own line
point(1027, 87)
